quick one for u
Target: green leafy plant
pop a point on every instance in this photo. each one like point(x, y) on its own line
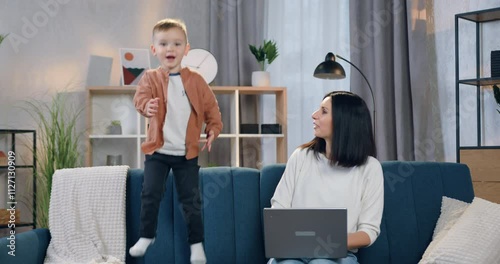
point(267, 52)
point(2, 37)
point(115, 122)
point(496, 93)
point(57, 145)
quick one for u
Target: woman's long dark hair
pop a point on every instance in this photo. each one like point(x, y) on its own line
point(352, 137)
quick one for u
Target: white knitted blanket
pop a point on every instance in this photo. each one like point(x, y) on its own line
point(87, 215)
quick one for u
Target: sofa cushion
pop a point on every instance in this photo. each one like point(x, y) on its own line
point(474, 238)
point(231, 215)
point(170, 225)
point(26, 247)
point(230, 209)
point(413, 193)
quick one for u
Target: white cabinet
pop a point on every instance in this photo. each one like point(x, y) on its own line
point(108, 103)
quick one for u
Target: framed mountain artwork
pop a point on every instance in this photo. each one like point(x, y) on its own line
point(134, 64)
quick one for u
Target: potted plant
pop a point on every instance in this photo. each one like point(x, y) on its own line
point(496, 93)
point(2, 37)
point(57, 146)
point(115, 128)
point(265, 55)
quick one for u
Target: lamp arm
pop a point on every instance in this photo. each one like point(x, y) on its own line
point(369, 86)
point(362, 74)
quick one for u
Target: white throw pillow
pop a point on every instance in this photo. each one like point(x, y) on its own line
point(474, 238)
point(451, 210)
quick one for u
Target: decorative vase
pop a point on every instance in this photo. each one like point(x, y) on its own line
point(261, 78)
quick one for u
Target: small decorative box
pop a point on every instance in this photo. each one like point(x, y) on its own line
point(270, 129)
point(495, 63)
point(249, 128)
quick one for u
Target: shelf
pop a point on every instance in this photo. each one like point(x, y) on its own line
point(479, 147)
point(219, 89)
point(15, 131)
point(112, 89)
point(17, 225)
point(115, 136)
point(105, 101)
point(261, 135)
point(481, 81)
point(481, 16)
point(247, 90)
point(203, 136)
point(481, 160)
point(19, 167)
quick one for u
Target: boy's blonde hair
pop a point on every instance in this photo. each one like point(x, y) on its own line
point(168, 23)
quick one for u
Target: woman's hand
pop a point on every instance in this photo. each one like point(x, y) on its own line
point(357, 240)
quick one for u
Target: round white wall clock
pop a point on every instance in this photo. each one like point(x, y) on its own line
point(203, 62)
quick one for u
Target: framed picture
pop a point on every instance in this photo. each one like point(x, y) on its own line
point(134, 63)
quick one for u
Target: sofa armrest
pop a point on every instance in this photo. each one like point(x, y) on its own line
point(26, 247)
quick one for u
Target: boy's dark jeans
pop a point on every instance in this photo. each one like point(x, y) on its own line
point(186, 178)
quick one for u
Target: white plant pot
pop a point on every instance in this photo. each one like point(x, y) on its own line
point(261, 78)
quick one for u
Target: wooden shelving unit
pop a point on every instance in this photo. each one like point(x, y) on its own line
point(106, 103)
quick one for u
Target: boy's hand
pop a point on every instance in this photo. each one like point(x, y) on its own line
point(152, 107)
point(209, 140)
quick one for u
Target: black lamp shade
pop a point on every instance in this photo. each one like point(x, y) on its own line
point(329, 69)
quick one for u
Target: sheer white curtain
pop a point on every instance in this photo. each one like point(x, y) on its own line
point(305, 31)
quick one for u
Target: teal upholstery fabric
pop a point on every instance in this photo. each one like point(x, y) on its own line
point(232, 204)
point(30, 247)
point(412, 204)
point(164, 247)
point(231, 214)
point(270, 176)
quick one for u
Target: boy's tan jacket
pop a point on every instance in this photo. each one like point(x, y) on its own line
point(204, 108)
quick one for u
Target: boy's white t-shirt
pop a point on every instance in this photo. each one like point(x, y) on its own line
point(176, 119)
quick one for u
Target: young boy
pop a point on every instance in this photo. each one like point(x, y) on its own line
point(177, 101)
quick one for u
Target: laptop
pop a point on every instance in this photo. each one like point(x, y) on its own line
point(305, 233)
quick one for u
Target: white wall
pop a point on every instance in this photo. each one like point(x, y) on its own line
point(51, 41)
point(55, 39)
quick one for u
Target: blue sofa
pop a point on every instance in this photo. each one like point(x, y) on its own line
point(233, 199)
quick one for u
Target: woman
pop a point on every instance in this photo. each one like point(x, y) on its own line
point(337, 168)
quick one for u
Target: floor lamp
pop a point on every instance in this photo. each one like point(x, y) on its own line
point(332, 70)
